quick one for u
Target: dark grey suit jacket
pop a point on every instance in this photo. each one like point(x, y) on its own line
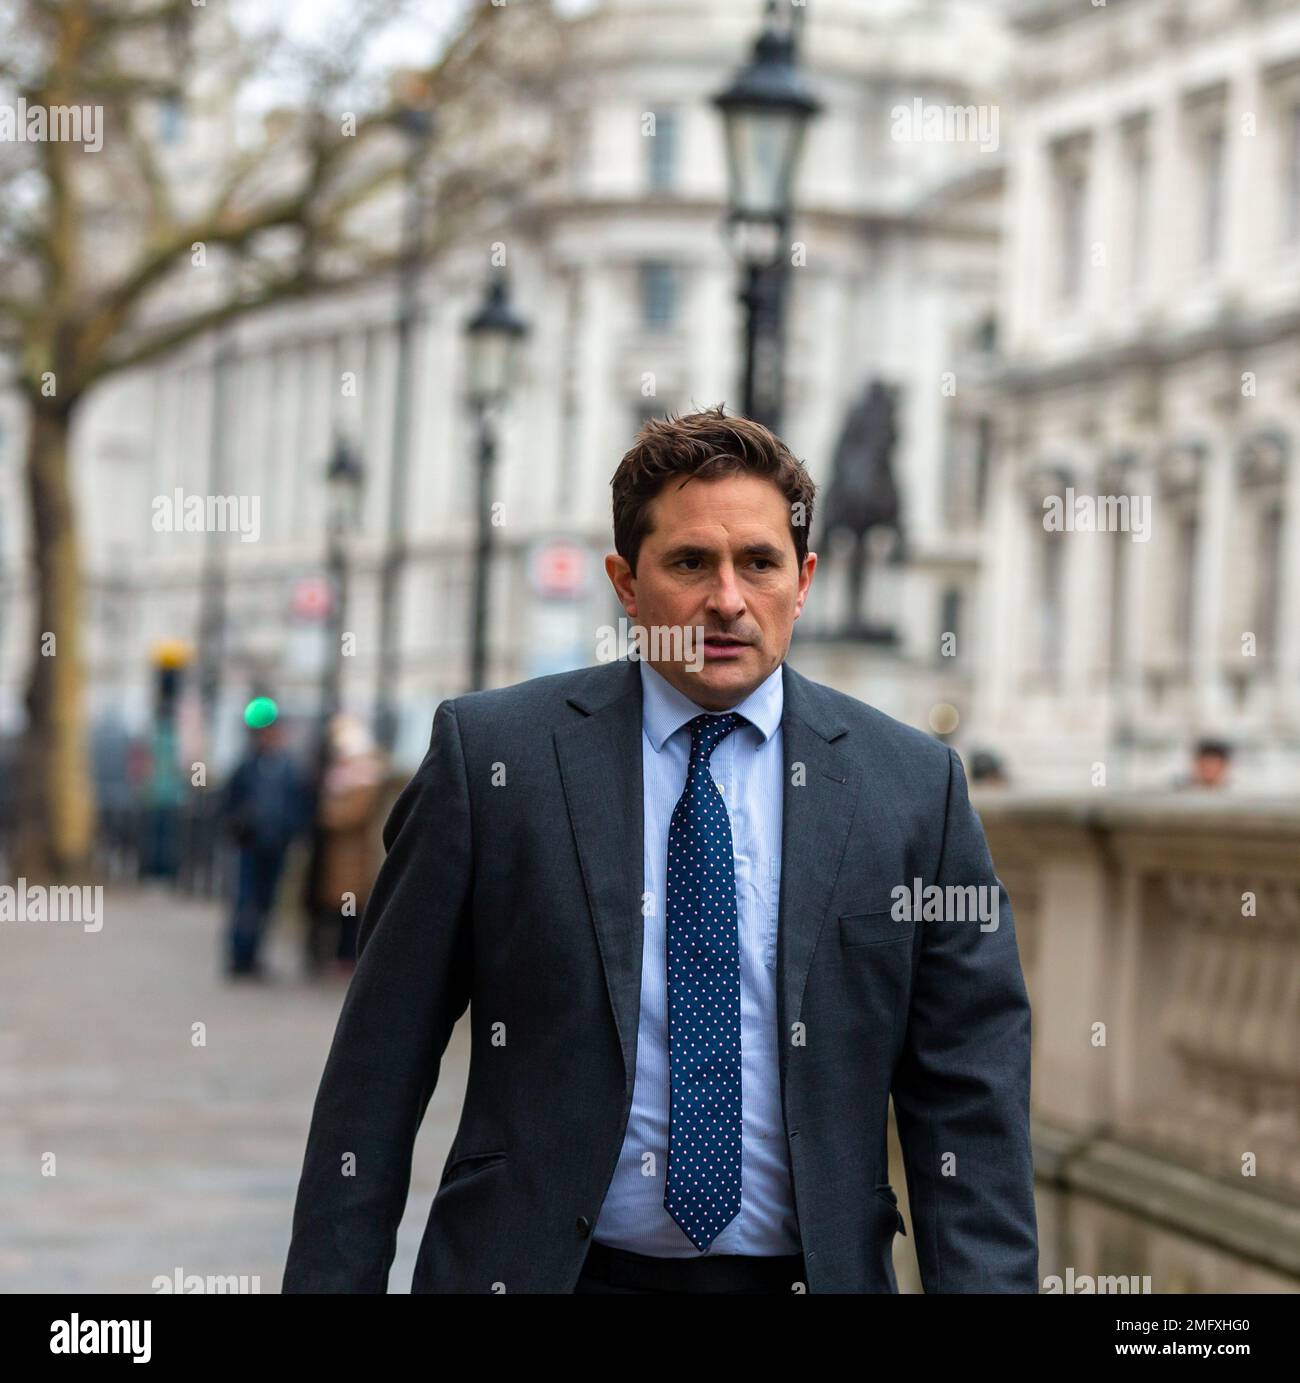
point(513, 884)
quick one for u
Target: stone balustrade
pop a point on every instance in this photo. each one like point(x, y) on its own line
point(1160, 939)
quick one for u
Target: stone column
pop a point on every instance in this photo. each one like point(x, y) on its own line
point(1166, 254)
point(1215, 507)
point(1104, 228)
point(1245, 122)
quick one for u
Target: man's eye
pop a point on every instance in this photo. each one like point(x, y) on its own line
point(681, 562)
point(768, 560)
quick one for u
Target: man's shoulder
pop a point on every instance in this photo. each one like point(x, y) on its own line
point(549, 700)
point(543, 699)
point(874, 727)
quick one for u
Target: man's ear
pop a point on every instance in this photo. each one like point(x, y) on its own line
point(809, 566)
point(623, 580)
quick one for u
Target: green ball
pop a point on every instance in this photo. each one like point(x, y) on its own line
point(260, 712)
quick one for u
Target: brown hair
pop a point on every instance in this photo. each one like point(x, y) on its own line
point(704, 444)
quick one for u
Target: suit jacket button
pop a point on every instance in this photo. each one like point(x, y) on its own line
point(584, 1226)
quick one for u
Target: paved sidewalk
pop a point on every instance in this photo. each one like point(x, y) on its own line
point(169, 1155)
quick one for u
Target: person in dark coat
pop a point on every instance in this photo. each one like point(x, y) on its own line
point(265, 808)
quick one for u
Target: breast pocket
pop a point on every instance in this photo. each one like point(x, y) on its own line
point(772, 901)
point(873, 928)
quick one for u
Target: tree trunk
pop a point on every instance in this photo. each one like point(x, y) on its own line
point(56, 804)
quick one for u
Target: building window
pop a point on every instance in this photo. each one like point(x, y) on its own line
point(1139, 204)
point(1257, 550)
point(1049, 609)
point(983, 460)
point(1188, 532)
point(1269, 561)
point(170, 116)
point(578, 139)
point(984, 339)
point(1071, 187)
point(658, 295)
point(950, 618)
point(1210, 173)
point(1117, 640)
point(661, 151)
point(964, 481)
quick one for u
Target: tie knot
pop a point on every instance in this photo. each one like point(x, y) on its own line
point(708, 731)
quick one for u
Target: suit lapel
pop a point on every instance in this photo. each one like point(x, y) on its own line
point(600, 766)
point(818, 797)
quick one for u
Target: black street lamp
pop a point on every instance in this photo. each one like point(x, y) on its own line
point(493, 337)
point(344, 479)
point(213, 581)
point(766, 110)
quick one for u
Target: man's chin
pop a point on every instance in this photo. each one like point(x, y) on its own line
point(732, 678)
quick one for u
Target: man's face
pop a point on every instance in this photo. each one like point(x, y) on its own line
point(719, 565)
point(1211, 770)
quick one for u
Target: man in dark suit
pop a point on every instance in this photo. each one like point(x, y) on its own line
point(708, 916)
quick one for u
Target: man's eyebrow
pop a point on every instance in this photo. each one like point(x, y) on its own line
point(676, 554)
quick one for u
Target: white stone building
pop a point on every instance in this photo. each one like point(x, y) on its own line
point(1151, 310)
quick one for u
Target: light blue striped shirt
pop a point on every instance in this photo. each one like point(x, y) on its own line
point(747, 767)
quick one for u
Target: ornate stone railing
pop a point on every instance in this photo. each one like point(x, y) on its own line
point(1160, 937)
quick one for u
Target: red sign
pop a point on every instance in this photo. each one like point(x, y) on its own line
point(560, 570)
point(312, 598)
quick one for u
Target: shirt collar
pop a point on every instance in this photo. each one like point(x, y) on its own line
point(664, 709)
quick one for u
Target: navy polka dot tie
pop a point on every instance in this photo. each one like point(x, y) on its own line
point(703, 1183)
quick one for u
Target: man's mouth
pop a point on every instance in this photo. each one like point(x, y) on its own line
point(723, 646)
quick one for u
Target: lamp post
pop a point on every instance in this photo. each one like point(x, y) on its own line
point(766, 110)
point(493, 335)
point(212, 581)
point(160, 855)
point(344, 478)
point(416, 125)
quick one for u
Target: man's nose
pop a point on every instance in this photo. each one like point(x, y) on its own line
point(725, 598)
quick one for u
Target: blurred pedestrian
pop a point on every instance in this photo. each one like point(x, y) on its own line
point(265, 807)
point(346, 857)
point(987, 770)
point(1210, 761)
